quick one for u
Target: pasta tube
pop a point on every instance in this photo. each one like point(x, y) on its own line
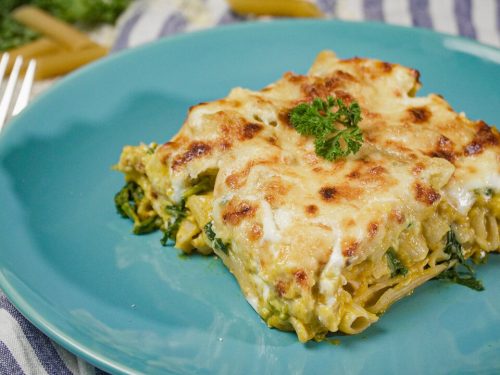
point(291, 8)
point(39, 47)
point(66, 61)
point(44, 23)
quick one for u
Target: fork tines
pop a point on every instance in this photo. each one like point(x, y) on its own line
point(8, 92)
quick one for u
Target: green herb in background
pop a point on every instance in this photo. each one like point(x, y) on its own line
point(12, 33)
point(87, 13)
point(333, 124)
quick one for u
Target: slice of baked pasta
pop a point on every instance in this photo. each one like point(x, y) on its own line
point(321, 246)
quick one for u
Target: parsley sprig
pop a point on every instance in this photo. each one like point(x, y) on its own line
point(333, 124)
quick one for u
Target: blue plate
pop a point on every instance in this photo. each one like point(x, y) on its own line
point(126, 304)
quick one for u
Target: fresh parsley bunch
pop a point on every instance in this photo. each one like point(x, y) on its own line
point(333, 124)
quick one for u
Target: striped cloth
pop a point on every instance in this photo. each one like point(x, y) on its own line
point(24, 349)
point(148, 20)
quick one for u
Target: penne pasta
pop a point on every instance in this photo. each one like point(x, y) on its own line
point(50, 26)
point(290, 8)
point(66, 61)
point(40, 47)
point(356, 319)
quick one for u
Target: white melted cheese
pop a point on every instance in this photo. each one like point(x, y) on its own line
point(177, 189)
point(196, 116)
point(283, 218)
point(332, 270)
point(254, 302)
point(271, 231)
point(261, 289)
point(461, 192)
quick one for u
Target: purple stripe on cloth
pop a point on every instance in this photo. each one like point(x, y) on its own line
point(230, 17)
point(327, 6)
point(98, 371)
point(41, 344)
point(373, 10)
point(173, 25)
point(420, 15)
point(122, 40)
point(463, 14)
point(8, 364)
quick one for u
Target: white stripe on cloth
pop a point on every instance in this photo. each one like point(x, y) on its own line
point(13, 337)
point(148, 27)
point(75, 364)
point(350, 10)
point(397, 12)
point(484, 15)
point(198, 13)
point(443, 16)
point(217, 8)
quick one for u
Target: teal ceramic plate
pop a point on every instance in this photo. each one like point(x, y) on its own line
point(126, 304)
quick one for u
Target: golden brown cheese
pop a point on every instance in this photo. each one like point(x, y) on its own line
point(298, 225)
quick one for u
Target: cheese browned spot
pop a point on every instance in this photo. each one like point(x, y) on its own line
point(444, 149)
point(195, 150)
point(250, 130)
point(349, 248)
point(485, 136)
point(301, 278)
point(344, 95)
point(333, 194)
point(324, 87)
point(312, 210)
point(397, 216)
point(419, 114)
point(255, 232)
point(418, 168)
point(236, 211)
point(386, 67)
point(275, 190)
point(328, 193)
point(281, 288)
point(372, 229)
point(426, 194)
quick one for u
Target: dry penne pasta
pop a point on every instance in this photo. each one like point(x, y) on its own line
point(66, 61)
point(39, 47)
point(291, 8)
point(48, 25)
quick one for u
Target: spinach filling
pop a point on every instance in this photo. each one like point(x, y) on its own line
point(462, 272)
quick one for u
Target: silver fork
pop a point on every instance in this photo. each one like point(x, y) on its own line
point(8, 93)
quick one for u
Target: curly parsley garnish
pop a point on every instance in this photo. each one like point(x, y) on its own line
point(333, 124)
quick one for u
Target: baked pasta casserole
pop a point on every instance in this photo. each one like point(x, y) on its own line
point(321, 245)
